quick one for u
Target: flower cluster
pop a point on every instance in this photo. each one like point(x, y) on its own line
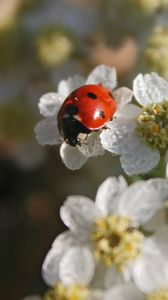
point(115, 247)
point(138, 133)
point(106, 253)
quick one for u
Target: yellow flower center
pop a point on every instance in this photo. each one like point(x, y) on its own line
point(61, 292)
point(153, 125)
point(161, 294)
point(117, 241)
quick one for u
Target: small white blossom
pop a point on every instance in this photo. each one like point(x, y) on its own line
point(104, 244)
point(140, 135)
point(47, 132)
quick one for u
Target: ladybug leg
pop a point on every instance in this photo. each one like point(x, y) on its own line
point(78, 141)
point(106, 127)
point(112, 119)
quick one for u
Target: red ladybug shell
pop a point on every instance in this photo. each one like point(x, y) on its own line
point(93, 106)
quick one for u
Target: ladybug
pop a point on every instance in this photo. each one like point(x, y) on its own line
point(86, 109)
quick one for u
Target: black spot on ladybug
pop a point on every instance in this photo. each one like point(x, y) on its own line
point(72, 110)
point(101, 114)
point(110, 95)
point(92, 95)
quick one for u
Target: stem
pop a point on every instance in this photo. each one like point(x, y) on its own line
point(159, 171)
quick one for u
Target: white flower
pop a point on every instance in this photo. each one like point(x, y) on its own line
point(104, 244)
point(47, 131)
point(140, 135)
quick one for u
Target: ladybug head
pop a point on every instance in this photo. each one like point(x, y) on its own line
point(71, 129)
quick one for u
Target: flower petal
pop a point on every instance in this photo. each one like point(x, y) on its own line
point(161, 240)
point(141, 200)
point(112, 277)
point(128, 112)
point(95, 295)
point(161, 186)
point(150, 88)
point(122, 96)
point(98, 280)
point(50, 268)
point(93, 147)
point(159, 219)
point(120, 137)
point(50, 104)
point(108, 194)
point(124, 292)
point(137, 157)
point(150, 270)
point(77, 266)
point(47, 132)
point(66, 87)
point(72, 157)
point(78, 213)
point(141, 159)
point(103, 75)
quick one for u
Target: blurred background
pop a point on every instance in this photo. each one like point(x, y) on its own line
point(42, 42)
